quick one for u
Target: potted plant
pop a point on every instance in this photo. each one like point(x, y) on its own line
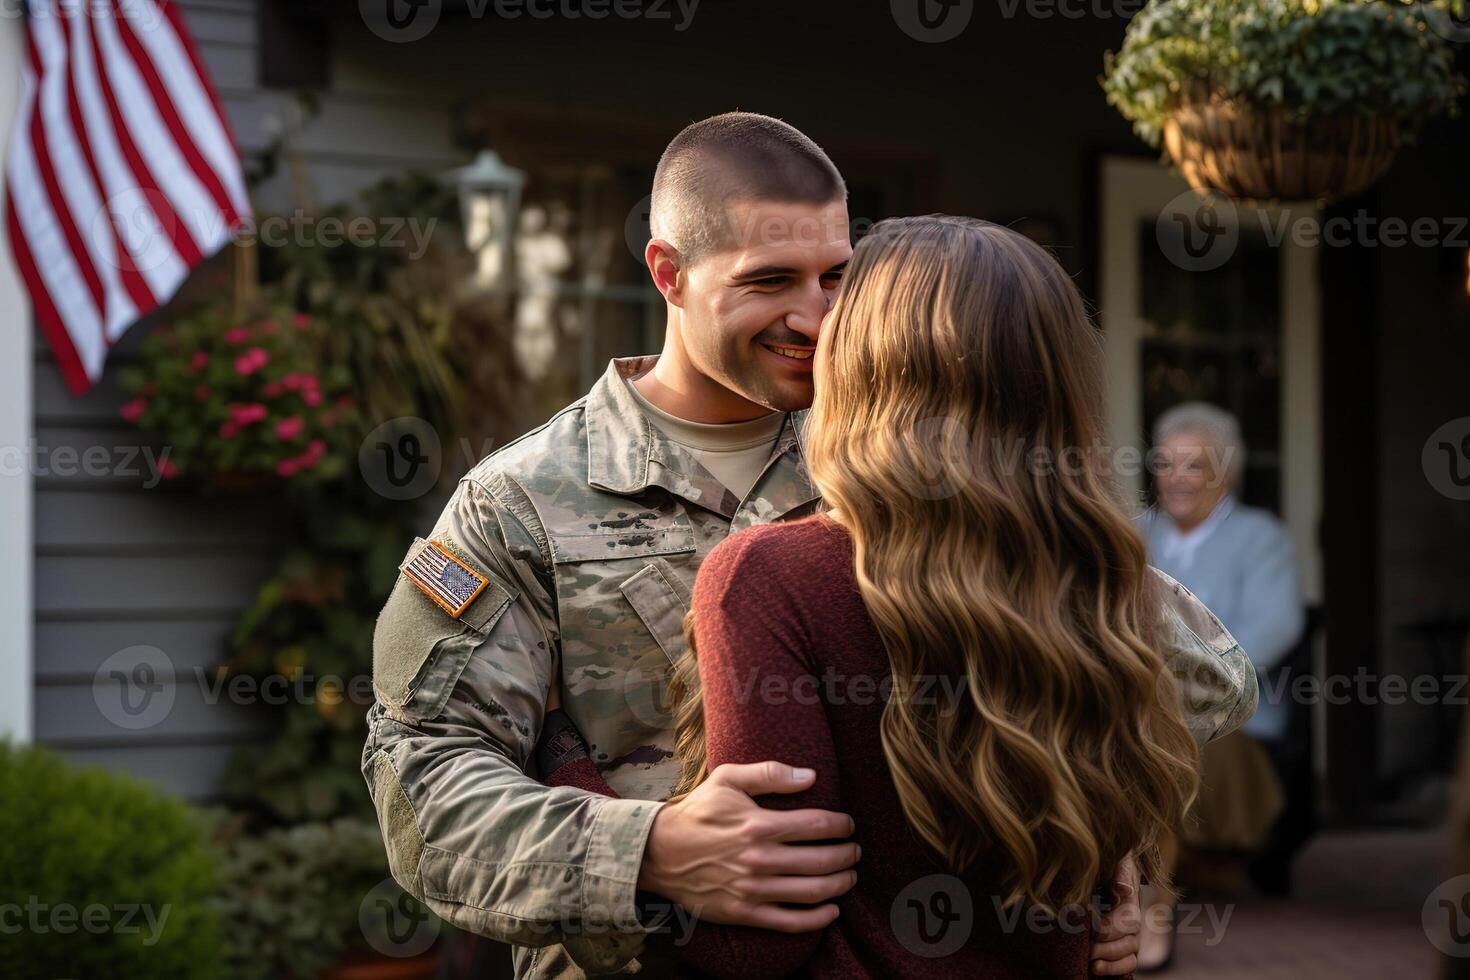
point(105, 877)
point(242, 405)
point(315, 901)
point(1284, 99)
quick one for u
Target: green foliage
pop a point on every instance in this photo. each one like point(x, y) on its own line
point(398, 316)
point(1308, 57)
point(293, 895)
point(385, 332)
point(311, 627)
point(245, 401)
point(117, 876)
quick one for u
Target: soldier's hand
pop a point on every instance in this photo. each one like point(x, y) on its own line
point(723, 857)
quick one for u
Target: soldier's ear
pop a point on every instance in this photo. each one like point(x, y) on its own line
point(664, 266)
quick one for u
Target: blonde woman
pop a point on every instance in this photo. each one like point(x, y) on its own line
point(968, 646)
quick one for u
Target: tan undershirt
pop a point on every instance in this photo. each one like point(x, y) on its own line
point(735, 453)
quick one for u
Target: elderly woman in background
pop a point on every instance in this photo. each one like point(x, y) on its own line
point(1240, 562)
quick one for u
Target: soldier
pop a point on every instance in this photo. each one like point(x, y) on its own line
point(566, 559)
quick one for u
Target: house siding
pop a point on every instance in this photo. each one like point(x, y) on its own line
point(119, 564)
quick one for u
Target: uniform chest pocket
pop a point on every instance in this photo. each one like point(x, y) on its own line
point(617, 590)
point(661, 599)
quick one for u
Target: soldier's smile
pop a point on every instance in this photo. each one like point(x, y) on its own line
point(795, 358)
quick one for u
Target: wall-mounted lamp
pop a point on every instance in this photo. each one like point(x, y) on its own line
point(490, 204)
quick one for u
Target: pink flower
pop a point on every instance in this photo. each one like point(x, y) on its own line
point(291, 381)
point(270, 328)
point(228, 430)
point(306, 461)
point(272, 389)
point(134, 409)
point(344, 400)
point(286, 467)
point(201, 392)
point(289, 428)
point(198, 362)
point(251, 361)
point(312, 397)
point(301, 321)
point(245, 414)
point(237, 335)
point(316, 448)
point(309, 380)
point(168, 470)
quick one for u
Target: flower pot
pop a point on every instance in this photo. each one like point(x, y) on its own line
point(1265, 154)
point(373, 966)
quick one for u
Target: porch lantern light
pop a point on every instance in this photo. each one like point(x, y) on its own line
point(490, 203)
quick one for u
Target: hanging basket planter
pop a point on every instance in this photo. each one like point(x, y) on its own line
point(1293, 100)
point(1264, 154)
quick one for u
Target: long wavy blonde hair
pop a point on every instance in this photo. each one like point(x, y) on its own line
point(955, 434)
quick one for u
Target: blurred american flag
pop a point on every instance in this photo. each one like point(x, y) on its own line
point(122, 173)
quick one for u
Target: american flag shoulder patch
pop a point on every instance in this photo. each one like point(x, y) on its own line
point(444, 578)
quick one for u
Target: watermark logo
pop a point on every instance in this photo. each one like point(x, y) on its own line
point(401, 21)
point(134, 688)
point(146, 225)
point(1446, 459)
point(1198, 232)
point(401, 458)
point(1452, 25)
point(395, 923)
point(932, 21)
point(638, 228)
point(1446, 917)
point(933, 916)
point(646, 690)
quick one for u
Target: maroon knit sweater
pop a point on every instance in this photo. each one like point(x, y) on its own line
point(793, 669)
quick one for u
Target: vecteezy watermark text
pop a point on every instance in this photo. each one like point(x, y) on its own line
point(64, 918)
point(403, 21)
point(36, 459)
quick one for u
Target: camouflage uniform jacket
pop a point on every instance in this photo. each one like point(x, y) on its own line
point(580, 542)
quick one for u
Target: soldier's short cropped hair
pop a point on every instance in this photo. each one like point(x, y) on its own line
point(729, 158)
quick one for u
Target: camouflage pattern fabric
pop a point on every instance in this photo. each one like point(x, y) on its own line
point(590, 530)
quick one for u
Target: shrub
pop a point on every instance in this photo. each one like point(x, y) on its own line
point(101, 876)
point(294, 896)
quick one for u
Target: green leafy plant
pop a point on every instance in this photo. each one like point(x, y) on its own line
point(113, 878)
point(294, 896)
point(1307, 57)
point(310, 628)
point(244, 401)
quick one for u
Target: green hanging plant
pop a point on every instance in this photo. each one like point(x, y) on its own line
point(1285, 98)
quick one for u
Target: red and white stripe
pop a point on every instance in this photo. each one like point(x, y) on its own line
point(122, 174)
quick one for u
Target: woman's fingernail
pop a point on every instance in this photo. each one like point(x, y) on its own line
point(802, 775)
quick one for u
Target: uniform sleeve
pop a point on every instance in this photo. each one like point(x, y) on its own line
point(748, 636)
point(1216, 679)
point(459, 706)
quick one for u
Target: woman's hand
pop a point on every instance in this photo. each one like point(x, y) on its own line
point(1114, 950)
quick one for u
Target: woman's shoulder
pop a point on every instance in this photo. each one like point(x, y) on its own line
point(802, 551)
point(813, 535)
